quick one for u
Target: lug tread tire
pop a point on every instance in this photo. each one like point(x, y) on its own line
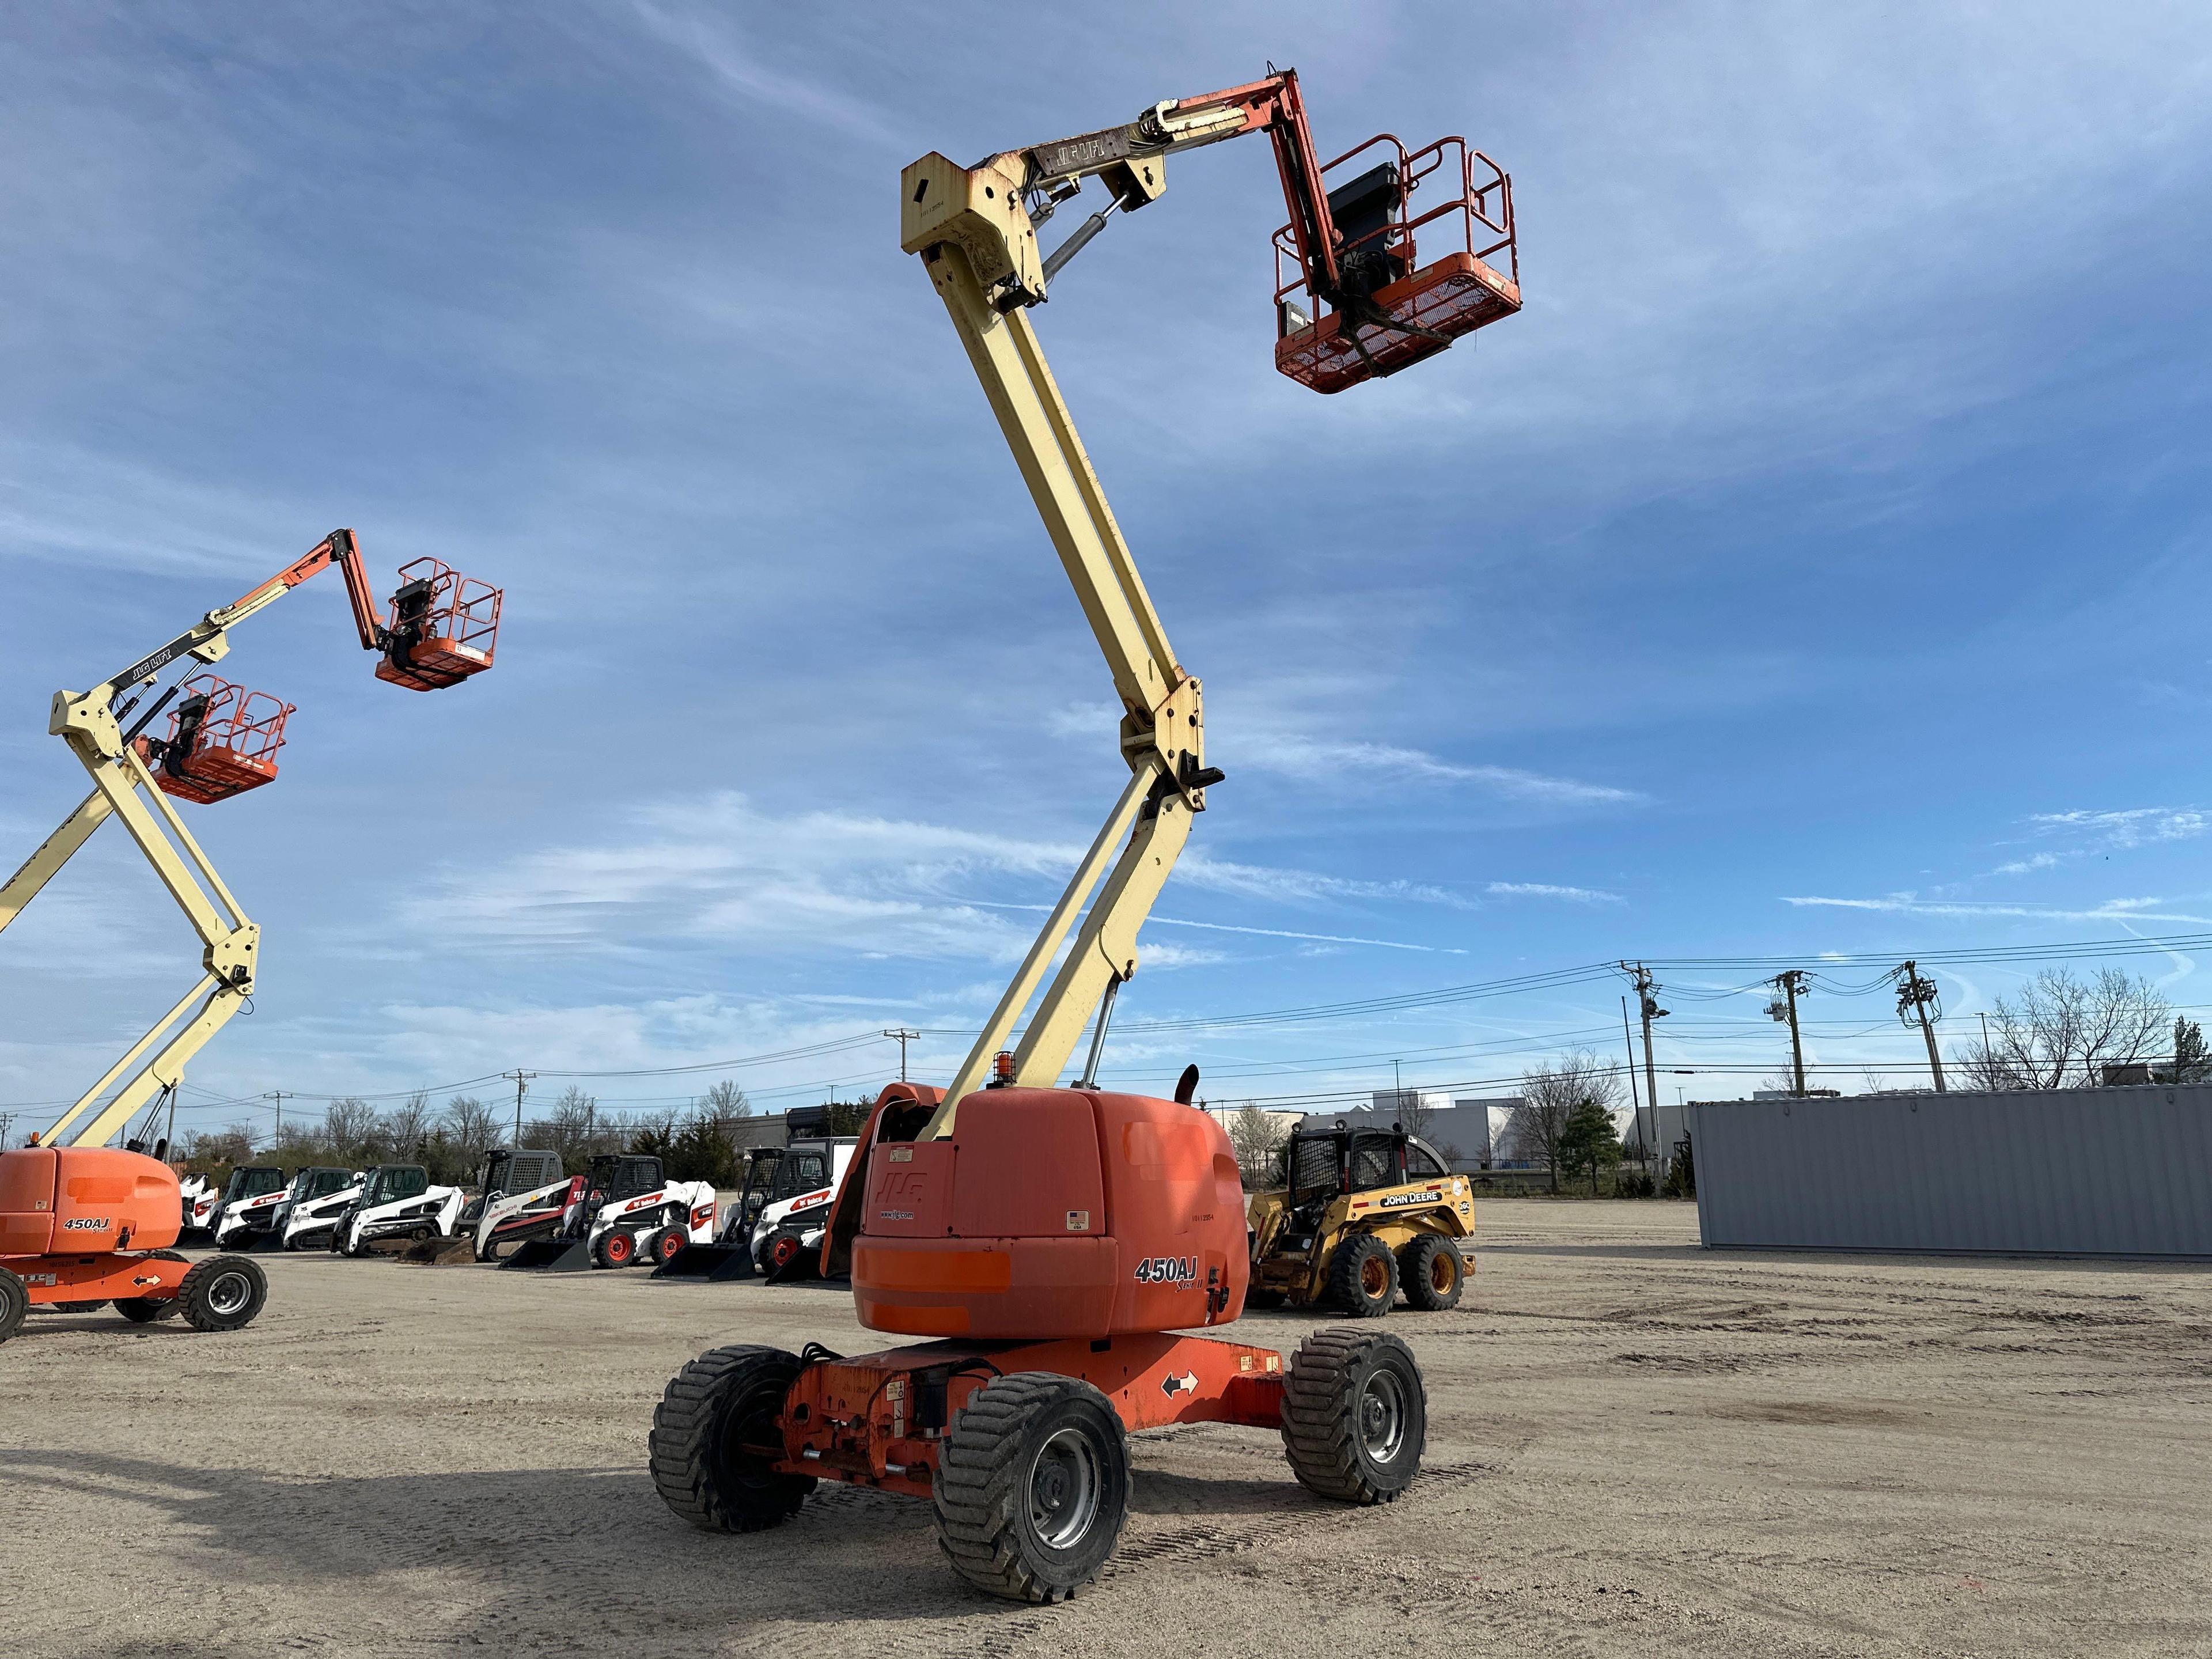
point(655, 1252)
point(981, 1490)
point(15, 1303)
point(1345, 1292)
point(192, 1293)
point(1418, 1261)
point(1321, 1398)
point(688, 1426)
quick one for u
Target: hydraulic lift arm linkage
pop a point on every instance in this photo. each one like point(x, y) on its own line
point(124, 787)
point(975, 230)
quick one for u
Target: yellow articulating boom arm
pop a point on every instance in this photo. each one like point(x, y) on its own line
point(125, 788)
point(978, 241)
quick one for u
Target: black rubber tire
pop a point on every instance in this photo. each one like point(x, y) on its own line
point(1345, 1391)
point(1429, 1258)
point(607, 1252)
point(722, 1401)
point(208, 1287)
point(93, 1306)
point(167, 1307)
point(15, 1303)
point(661, 1246)
point(991, 1485)
point(1363, 1277)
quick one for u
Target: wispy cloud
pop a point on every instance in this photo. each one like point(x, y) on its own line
point(1292, 756)
point(2136, 826)
point(717, 46)
point(1547, 890)
point(2118, 910)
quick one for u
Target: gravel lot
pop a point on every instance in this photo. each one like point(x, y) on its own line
point(1635, 1447)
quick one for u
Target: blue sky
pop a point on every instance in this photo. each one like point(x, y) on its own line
point(1816, 565)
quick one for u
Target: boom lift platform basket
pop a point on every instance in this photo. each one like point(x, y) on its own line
point(223, 741)
point(1391, 310)
point(444, 627)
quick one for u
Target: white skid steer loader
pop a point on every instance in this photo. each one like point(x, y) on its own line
point(396, 1201)
point(628, 1212)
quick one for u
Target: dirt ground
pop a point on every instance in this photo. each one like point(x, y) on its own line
point(1635, 1447)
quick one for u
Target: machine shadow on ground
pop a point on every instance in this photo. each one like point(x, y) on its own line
point(555, 1553)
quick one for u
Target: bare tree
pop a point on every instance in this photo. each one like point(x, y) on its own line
point(726, 1100)
point(348, 1126)
point(472, 1125)
point(571, 1128)
point(1257, 1137)
point(402, 1130)
point(1549, 1096)
point(2064, 1031)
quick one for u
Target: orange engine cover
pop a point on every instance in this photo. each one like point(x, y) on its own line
point(1053, 1212)
point(63, 1200)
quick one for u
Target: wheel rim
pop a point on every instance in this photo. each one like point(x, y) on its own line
point(1065, 1484)
point(1382, 1413)
point(1443, 1272)
point(1374, 1276)
point(229, 1292)
point(618, 1247)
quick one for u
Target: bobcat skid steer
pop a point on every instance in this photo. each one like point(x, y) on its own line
point(788, 1237)
point(197, 1225)
point(245, 1218)
point(396, 1201)
point(319, 1197)
point(628, 1212)
point(731, 1255)
point(520, 1196)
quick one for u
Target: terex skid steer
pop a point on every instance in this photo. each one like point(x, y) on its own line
point(1362, 1215)
point(627, 1213)
point(731, 1255)
point(396, 1201)
point(520, 1196)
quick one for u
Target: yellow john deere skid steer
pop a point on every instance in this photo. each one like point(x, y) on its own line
point(1362, 1214)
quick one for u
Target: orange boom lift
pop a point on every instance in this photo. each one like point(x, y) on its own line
point(81, 1224)
point(1042, 1246)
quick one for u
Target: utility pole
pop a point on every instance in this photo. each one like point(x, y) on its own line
point(277, 1146)
point(903, 1037)
point(1652, 1010)
point(1635, 1105)
point(1915, 995)
point(521, 1083)
point(1397, 1091)
point(1791, 983)
point(6, 1119)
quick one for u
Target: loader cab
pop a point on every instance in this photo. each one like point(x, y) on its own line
point(761, 1164)
point(388, 1183)
point(252, 1180)
point(618, 1176)
point(1321, 1164)
point(508, 1172)
point(805, 1166)
point(316, 1183)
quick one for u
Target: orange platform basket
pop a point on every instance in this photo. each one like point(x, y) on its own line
point(444, 627)
point(223, 741)
point(1394, 311)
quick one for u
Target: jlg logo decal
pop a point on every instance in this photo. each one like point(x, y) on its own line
point(1168, 1270)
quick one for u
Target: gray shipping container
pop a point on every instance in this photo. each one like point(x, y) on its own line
point(2055, 1172)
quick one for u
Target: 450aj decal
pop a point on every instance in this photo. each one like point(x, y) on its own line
point(1168, 1270)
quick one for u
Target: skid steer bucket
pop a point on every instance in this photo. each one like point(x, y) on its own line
point(716, 1263)
point(549, 1256)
